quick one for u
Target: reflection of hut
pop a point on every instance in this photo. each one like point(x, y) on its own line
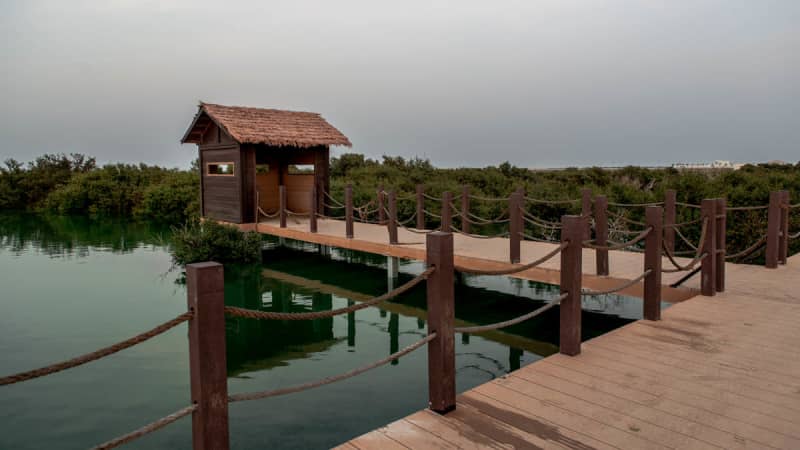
point(247, 153)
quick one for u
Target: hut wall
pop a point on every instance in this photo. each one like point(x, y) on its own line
point(221, 194)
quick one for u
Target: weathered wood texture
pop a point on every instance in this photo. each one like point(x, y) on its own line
point(716, 372)
point(441, 315)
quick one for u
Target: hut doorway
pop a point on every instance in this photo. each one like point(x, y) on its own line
point(267, 182)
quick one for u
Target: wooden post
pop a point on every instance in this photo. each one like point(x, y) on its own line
point(447, 212)
point(381, 206)
point(783, 242)
point(773, 229)
point(586, 211)
point(721, 230)
point(601, 233)
point(282, 202)
point(652, 262)
point(348, 211)
point(708, 277)
point(420, 207)
point(312, 216)
point(572, 231)
point(515, 226)
point(465, 225)
point(670, 198)
point(205, 284)
point(441, 315)
point(392, 223)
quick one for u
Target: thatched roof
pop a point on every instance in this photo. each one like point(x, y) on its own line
point(265, 126)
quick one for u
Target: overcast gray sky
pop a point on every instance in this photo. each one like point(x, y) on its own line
point(537, 83)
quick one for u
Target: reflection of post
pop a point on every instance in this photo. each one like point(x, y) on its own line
point(323, 328)
point(324, 250)
point(465, 338)
point(394, 335)
point(514, 358)
point(392, 270)
point(351, 326)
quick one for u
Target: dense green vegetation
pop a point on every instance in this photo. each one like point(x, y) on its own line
point(209, 241)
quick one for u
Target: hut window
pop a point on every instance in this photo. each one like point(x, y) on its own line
point(262, 169)
point(301, 169)
point(220, 169)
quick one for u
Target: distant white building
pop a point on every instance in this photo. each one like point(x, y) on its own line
point(718, 164)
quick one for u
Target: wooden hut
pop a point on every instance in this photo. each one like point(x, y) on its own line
point(247, 153)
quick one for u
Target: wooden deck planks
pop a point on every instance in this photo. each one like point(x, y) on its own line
point(721, 372)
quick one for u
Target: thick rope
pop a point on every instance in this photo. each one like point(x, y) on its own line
point(634, 205)
point(536, 239)
point(794, 236)
point(688, 205)
point(746, 208)
point(620, 287)
point(333, 379)
point(337, 202)
point(488, 199)
point(500, 219)
point(697, 257)
point(268, 216)
point(478, 236)
point(514, 321)
point(97, 354)
point(147, 429)
point(430, 197)
point(683, 224)
point(292, 213)
point(618, 246)
point(527, 217)
point(552, 202)
point(685, 240)
point(748, 250)
point(332, 207)
point(268, 315)
point(516, 268)
point(625, 219)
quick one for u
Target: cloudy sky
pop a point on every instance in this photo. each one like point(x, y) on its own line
point(537, 82)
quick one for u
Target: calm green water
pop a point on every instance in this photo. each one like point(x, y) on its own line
point(71, 285)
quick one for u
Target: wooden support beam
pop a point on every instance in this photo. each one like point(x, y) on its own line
point(282, 203)
point(773, 229)
point(720, 232)
point(392, 222)
point(572, 232)
point(670, 198)
point(447, 211)
point(348, 211)
point(205, 283)
point(441, 315)
point(312, 218)
point(420, 207)
point(466, 227)
point(708, 277)
point(515, 226)
point(652, 262)
point(586, 211)
point(601, 233)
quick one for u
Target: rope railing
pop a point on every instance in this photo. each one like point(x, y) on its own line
point(332, 207)
point(147, 429)
point(698, 248)
point(510, 322)
point(333, 379)
point(97, 354)
point(297, 214)
point(537, 239)
point(434, 215)
point(235, 311)
point(635, 205)
point(625, 219)
point(499, 220)
point(331, 198)
point(487, 199)
point(688, 205)
point(626, 285)
point(683, 224)
point(268, 216)
point(618, 246)
point(515, 269)
point(530, 218)
point(748, 250)
point(794, 236)
point(685, 239)
point(551, 202)
point(747, 208)
point(478, 236)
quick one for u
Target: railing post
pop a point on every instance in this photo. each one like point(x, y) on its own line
point(205, 284)
point(312, 215)
point(348, 211)
point(392, 223)
point(420, 207)
point(708, 277)
point(601, 233)
point(465, 225)
point(447, 212)
point(783, 242)
point(282, 203)
point(586, 211)
point(572, 230)
point(441, 315)
point(670, 198)
point(721, 230)
point(381, 206)
point(652, 262)
point(515, 225)
point(773, 229)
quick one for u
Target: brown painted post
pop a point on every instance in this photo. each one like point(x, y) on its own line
point(783, 242)
point(652, 262)
point(282, 202)
point(381, 206)
point(670, 198)
point(720, 232)
point(708, 277)
point(515, 225)
point(348, 211)
point(312, 216)
point(601, 233)
point(420, 207)
point(441, 315)
point(586, 211)
point(447, 212)
point(773, 229)
point(465, 225)
point(572, 229)
point(392, 223)
point(205, 283)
